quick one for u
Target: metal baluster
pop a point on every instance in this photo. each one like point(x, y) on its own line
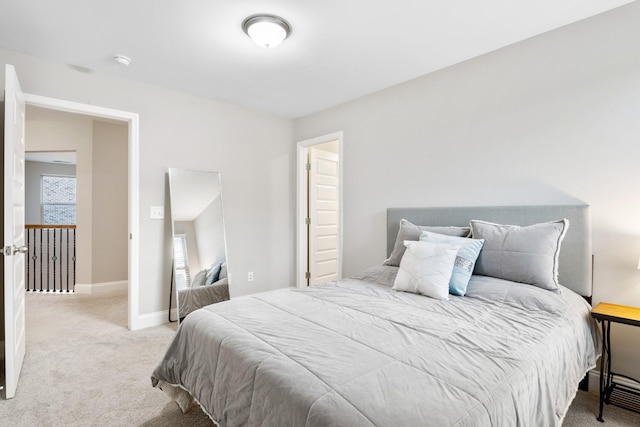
point(41, 239)
point(34, 257)
point(60, 251)
point(67, 260)
point(74, 259)
point(54, 258)
point(48, 259)
point(28, 256)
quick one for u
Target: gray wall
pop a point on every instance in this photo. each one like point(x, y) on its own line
point(33, 172)
point(109, 203)
point(553, 119)
point(252, 150)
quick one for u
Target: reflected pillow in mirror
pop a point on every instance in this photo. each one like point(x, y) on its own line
point(223, 271)
point(213, 274)
point(199, 278)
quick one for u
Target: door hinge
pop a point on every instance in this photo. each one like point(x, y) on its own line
point(307, 221)
point(307, 166)
point(6, 250)
point(307, 275)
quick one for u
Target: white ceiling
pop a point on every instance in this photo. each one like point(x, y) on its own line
point(339, 49)
point(61, 157)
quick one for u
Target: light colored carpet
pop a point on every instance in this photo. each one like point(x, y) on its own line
point(84, 368)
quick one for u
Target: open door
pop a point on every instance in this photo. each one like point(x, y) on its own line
point(13, 248)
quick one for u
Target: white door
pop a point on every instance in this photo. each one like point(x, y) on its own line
point(13, 247)
point(324, 216)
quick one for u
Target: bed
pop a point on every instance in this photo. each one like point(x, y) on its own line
point(357, 352)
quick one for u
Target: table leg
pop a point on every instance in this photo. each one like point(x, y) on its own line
point(606, 353)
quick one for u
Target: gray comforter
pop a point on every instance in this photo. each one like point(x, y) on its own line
point(191, 299)
point(357, 353)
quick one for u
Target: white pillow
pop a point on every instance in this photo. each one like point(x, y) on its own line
point(426, 269)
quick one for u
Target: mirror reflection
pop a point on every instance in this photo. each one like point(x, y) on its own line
point(199, 248)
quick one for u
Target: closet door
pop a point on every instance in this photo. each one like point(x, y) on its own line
point(323, 216)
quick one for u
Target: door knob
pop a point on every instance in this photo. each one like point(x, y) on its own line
point(21, 249)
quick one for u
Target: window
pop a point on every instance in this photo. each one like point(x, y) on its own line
point(181, 261)
point(58, 199)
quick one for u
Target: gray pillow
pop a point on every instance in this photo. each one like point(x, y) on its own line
point(199, 278)
point(409, 231)
point(223, 271)
point(521, 254)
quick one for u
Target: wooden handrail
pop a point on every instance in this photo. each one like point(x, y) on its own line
point(38, 226)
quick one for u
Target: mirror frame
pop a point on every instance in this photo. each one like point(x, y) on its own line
point(215, 295)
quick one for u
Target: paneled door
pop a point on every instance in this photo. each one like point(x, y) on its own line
point(324, 216)
point(13, 248)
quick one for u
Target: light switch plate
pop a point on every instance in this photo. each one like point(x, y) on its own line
point(156, 212)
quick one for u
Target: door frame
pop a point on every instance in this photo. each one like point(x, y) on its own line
point(301, 203)
point(133, 121)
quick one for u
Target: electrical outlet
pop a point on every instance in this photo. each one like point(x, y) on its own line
point(156, 212)
point(250, 276)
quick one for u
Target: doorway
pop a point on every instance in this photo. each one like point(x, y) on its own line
point(132, 121)
point(319, 210)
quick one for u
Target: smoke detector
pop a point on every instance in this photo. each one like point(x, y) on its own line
point(122, 60)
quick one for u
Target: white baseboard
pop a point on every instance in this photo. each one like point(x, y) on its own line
point(154, 319)
point(105, 288)
point(594, 382)
point(121, 288)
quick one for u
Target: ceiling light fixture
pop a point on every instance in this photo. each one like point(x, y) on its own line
point(122, 60)
point(266, 30)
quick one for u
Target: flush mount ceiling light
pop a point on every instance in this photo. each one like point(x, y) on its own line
point(266, 30)
point(122, 60)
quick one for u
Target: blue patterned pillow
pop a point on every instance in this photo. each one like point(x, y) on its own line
point(465, 260)
point(213, 274)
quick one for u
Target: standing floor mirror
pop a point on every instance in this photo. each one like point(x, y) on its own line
point(199, 244)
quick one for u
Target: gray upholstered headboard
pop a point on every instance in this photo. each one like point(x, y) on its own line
point(575, 254)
